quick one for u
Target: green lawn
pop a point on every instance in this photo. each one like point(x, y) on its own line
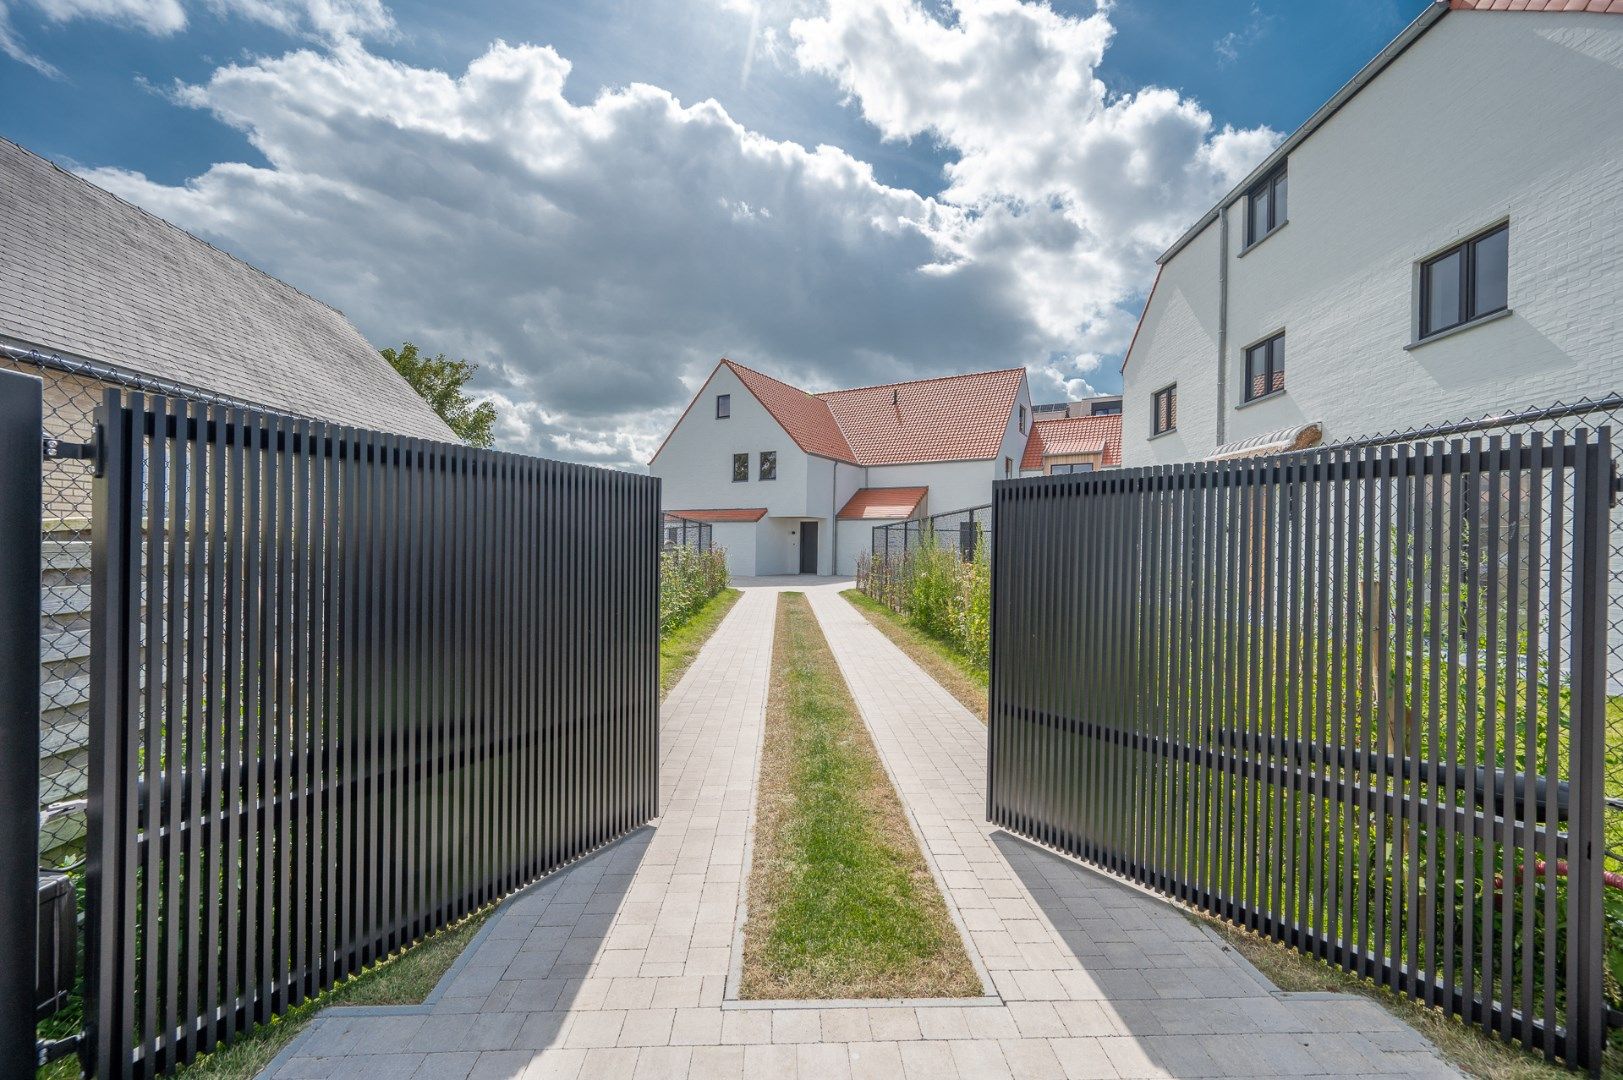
point(948, 665)
point(678, 646)
point(841, 901)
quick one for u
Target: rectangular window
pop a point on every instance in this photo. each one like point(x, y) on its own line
point(1265, 206)
point(1008, 467)
point(724, 406)
point(769, 464)
point(1073, 467)
point(1465, 282)
point(1166, 410)
point(1265, 368)
point(1022, 419)
point(741, 468)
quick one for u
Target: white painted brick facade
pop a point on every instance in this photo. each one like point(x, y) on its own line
point(1487, 116)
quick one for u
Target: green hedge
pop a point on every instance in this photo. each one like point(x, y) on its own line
point(688, 578)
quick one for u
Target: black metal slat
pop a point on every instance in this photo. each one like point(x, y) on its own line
point(1367, 566)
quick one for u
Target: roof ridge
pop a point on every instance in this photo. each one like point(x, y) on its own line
point(166, 223)
point(911, 382)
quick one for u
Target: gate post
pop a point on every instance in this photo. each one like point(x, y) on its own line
point(20, 505)
point(1591, 574)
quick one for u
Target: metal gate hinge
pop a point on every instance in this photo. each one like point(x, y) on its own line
point(62, 450)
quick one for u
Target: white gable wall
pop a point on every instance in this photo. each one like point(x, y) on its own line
point(1488, 116)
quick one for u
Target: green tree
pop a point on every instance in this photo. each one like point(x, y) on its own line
point(440, 381)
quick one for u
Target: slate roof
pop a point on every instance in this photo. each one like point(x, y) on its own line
point(88, 275)
point(748, 513)
point(1074, 435)
point(882, 503)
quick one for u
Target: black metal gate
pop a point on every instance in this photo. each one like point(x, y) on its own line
point(1354, 699)
point(346, 688)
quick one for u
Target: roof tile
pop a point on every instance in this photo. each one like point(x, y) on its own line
point(883, 503)
point(956, 418)
point(1073, 435)
point(749, 513)
point(87, 274)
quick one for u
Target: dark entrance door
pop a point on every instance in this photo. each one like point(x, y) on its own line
point(808, 547)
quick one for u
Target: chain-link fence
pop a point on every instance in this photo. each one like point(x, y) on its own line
point(1541, 423)
point(676, 531)
point(72, 391)
point(959, 530)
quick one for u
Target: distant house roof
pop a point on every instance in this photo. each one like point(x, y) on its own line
point(953, 418)
point(86, 274)
point(956, 418)
point(805, 417)
point(1076, 435)
point(749, 513)
point(883, 503)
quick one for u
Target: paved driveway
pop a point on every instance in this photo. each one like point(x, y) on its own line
point(625, 964)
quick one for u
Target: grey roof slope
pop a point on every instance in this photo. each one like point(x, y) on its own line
point(84, 273)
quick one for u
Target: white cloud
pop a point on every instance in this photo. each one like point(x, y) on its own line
point(1072, 189)
point(325, 20)
point(595, 259)
point(159, 17)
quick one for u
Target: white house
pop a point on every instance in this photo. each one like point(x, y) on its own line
point(1441, 240)
point(795, 482)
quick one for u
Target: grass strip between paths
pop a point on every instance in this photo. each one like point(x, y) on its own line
point(841, 901)
point(959, 675)
point(679, 646)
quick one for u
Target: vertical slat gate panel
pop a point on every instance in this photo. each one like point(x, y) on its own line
point(1324, 696)
point(348, 687)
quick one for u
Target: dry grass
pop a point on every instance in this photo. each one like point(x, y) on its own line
point(842, 904)
point(1467, 1048)
point(956, 673)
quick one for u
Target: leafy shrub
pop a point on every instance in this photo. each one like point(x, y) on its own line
point(687, 579)
point(937, 592)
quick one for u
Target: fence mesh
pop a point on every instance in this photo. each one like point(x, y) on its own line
point(1583, 414)
point(72, 390)
point(676, 531)
point(956, 529)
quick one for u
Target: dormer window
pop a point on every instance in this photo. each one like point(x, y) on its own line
point(1265, 206)
point(724, 406)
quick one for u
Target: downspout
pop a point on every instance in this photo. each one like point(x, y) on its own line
point(1222, 325)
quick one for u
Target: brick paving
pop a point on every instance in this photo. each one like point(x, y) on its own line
point(620, 965)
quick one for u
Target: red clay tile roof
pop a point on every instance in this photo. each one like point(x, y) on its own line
point(749, 513)
point(1074, 435)
point(1598, 7)
point(892, 502)
point(956, 418)
point(807, 419)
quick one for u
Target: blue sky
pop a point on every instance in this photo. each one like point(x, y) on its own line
point(961, 217)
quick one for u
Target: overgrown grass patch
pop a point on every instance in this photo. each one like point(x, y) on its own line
point(680, 645)
point(842, 904)
point(948, 665)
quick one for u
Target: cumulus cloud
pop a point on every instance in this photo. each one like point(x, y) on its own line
point(1075, 188)
point(597, 258)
